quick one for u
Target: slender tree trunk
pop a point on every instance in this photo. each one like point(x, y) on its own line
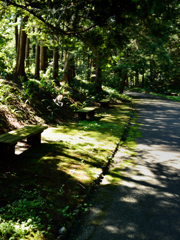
point(151, 71)
point(127, 82)
point(98, 81)
point(69, 69)
point(27, 51)
point(16, 36)
point(18, 51)
point(142, 83)
point(20, 70)
point(43, 53)
point(37, 61)
point(72, 72)
point(122, 83)
point(55, 62)
point(66, 68)
point(137, 78)
point(89, 68)
point(88, 62)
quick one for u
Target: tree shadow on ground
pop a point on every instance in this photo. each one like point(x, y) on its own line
point(32, 170)
point(146, 205)
point(140, 208)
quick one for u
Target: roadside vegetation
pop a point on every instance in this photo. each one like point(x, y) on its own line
point(171, 94)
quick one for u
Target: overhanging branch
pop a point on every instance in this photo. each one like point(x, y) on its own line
point(49, 25)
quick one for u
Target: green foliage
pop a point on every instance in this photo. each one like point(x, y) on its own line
point(43, 86)
point(23, 218)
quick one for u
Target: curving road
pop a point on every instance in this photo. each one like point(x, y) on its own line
point(147, 203)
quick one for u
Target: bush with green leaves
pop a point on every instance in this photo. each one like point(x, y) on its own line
point(24, 218)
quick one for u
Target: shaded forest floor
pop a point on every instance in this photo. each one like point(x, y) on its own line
point(45, 189)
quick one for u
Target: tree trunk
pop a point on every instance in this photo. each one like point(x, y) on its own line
point(72, 72)
point(16, 36)
point(98, 81)
point(137, 78)
point(127, 81)
point(122, 83)
point(142, 83)
point(18, 51)
point(66, 68)
point(27, 51)
point(37, 60)
point(43, 53)
point(69, 69)
point(19, 70)
point(55, 63)
point(151, 71)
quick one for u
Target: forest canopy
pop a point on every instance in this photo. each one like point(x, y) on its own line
point(130, 39)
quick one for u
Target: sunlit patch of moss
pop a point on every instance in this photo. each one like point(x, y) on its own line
point(115, 176)
point(86, 144)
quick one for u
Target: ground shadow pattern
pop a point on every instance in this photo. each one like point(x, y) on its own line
point(147, 205)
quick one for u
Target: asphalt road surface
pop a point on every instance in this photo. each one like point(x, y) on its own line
point(146, 205)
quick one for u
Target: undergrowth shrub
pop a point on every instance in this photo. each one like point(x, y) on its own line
point(24, 218)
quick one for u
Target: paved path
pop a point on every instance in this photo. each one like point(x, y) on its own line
point(146, 205)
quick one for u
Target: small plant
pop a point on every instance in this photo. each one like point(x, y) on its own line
point(23, 217)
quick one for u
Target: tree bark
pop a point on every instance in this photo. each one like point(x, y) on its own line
point(55, 62)
point(122, 83)
point(72, 72)
point(19, 69)
point(142, 83)
point(137, 78)
point(43, 53)
point(16, 36)
point(27, 51)
point(66, 67)
point(127, 81)
point(98, 81)
point(69, 69)
point(37, 60)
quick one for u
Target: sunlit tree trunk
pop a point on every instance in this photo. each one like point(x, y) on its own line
point(69, 69)
point(66, 68)
point(19, 69)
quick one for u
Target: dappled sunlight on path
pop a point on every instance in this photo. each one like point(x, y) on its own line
point(146, 205)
